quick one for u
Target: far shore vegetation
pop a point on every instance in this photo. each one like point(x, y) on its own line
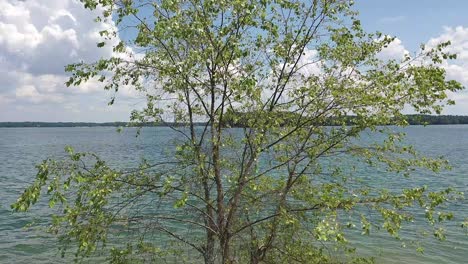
point(411, 119)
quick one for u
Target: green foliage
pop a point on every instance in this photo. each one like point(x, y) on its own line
point(280, 189)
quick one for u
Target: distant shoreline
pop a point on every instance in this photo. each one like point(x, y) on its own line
point(81, 124)
point(412, 120)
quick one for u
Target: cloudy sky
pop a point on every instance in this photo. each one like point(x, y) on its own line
point(39, 37)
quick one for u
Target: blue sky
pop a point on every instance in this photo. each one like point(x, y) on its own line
point(412, 21)
point(38, 37)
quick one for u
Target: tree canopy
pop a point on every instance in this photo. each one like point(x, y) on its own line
point(283, 187)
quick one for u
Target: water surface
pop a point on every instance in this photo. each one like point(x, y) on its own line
point(22, 148)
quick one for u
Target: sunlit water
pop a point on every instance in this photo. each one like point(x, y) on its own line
point(22, 148)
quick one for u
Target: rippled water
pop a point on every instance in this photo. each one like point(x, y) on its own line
point(22, 148)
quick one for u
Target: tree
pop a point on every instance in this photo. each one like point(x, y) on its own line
point(274, 189)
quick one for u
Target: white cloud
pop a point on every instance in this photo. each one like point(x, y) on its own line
point(31, 94)
point(53, 31)
point(458, 36)
point(456, 69)
point(395, 50)
point(309, 64)
point(4, 99)
point(37, 40)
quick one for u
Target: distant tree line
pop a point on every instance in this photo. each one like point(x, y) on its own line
point(61, 124)
point(68, 124)
point(241, 121)
point(85, 124)
point(436, 119)
point(288, 118)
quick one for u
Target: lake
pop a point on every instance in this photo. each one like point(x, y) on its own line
point(22, 148)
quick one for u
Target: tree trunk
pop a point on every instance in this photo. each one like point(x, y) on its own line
point(209, 250)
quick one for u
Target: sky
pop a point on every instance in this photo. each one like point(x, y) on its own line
point(39, 37)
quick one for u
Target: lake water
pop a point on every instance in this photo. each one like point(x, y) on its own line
point(22, 148)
